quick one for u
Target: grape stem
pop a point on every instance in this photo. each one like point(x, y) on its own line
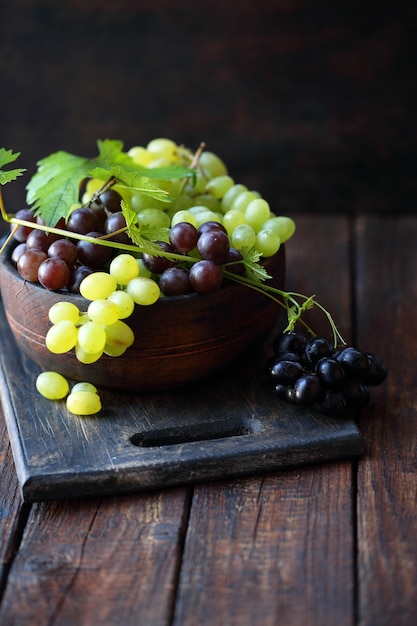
point(288, 300)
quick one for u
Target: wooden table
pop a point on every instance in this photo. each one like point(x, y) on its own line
point(325, 544)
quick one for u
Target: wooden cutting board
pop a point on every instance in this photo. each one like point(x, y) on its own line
point(230, 425)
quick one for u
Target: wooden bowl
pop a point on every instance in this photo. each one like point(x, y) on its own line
point(177, 340)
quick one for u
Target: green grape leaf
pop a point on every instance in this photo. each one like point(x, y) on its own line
point(143, 235)
point(7, 157)
point(130, 180)
point(55, 186)
point(255, 271)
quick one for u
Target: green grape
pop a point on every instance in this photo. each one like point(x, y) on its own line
point(218, 186)
point(207, 216)
point(124, 267)
point(153, 217)
point(283, 226)
point(208, 201)
point(142, 202)
point(98, 285)
point(143, 271)
point(104, 311)
point(119, 337)
point(140, 155)
point(84, 386)
point(162, 147)
point(124, 301)
point(87, 358)
point(232, 219)
point(183, 216)
point(91, 338)
point(83, 403)
point(63, 311)
point(52, 385)
point(212, 165)
point(267, 242)
point(230, 195)
point(242, 200)
point(181, 203)
point(144, 291)
point(243, 236)
point(61, 337)
point(196, 186)
point(257, 212)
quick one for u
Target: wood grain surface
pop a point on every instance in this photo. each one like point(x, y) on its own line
point(334, 543)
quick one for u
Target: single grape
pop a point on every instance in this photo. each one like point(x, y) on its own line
point(183, 237)
point(242, 200)
point(183, 216)
point(330, 371)
point(213, 245)
point(53, 274)
point(211, 225)
point(285, 372)
point(175, 281)
point(63, 311)
point(354, 361)
point(233, 262)
point(111, 200)
point(87, 358)
point(84, 386)
point(357, 394)
point(267, 242)
point(103, 311)
point(17, 252)
point(124, 301)
point(289, 342)
point(284, 227)
point(83, 403)
point(307, 390)
point(317, 348)
point(93, 254)
point(218, 185)
point(82, 221)
point(144, 291)
point(52, 385)
point(61, 337)
point(153, 217)
point(115, 222)
point(119, 337)
point(28, 264)
point(40, 240)
point(64, 249)
point(377, 371)
point(20, 233)
point(157, 264)
point(124, 267)
point(163, 147)
point(243, 236)
point(97, 285)
point(206, 276)
point(212, 165)
point(91, 337)
point(257, 212)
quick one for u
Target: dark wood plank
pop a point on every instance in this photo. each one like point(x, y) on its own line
point(280, 549)
point(387, 496)
point(109, 562)
point(13, 512)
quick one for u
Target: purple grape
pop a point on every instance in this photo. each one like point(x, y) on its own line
point(206, 276)
point(214, 245)
point(183, 237)
point(53, 274)
point(92, 254)
point(158, 264)
point(82, 221)
point(175, 281)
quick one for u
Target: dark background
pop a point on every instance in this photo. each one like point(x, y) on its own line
point(312, 103)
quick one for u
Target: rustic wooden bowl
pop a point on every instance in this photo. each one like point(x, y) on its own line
point(177, 340)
